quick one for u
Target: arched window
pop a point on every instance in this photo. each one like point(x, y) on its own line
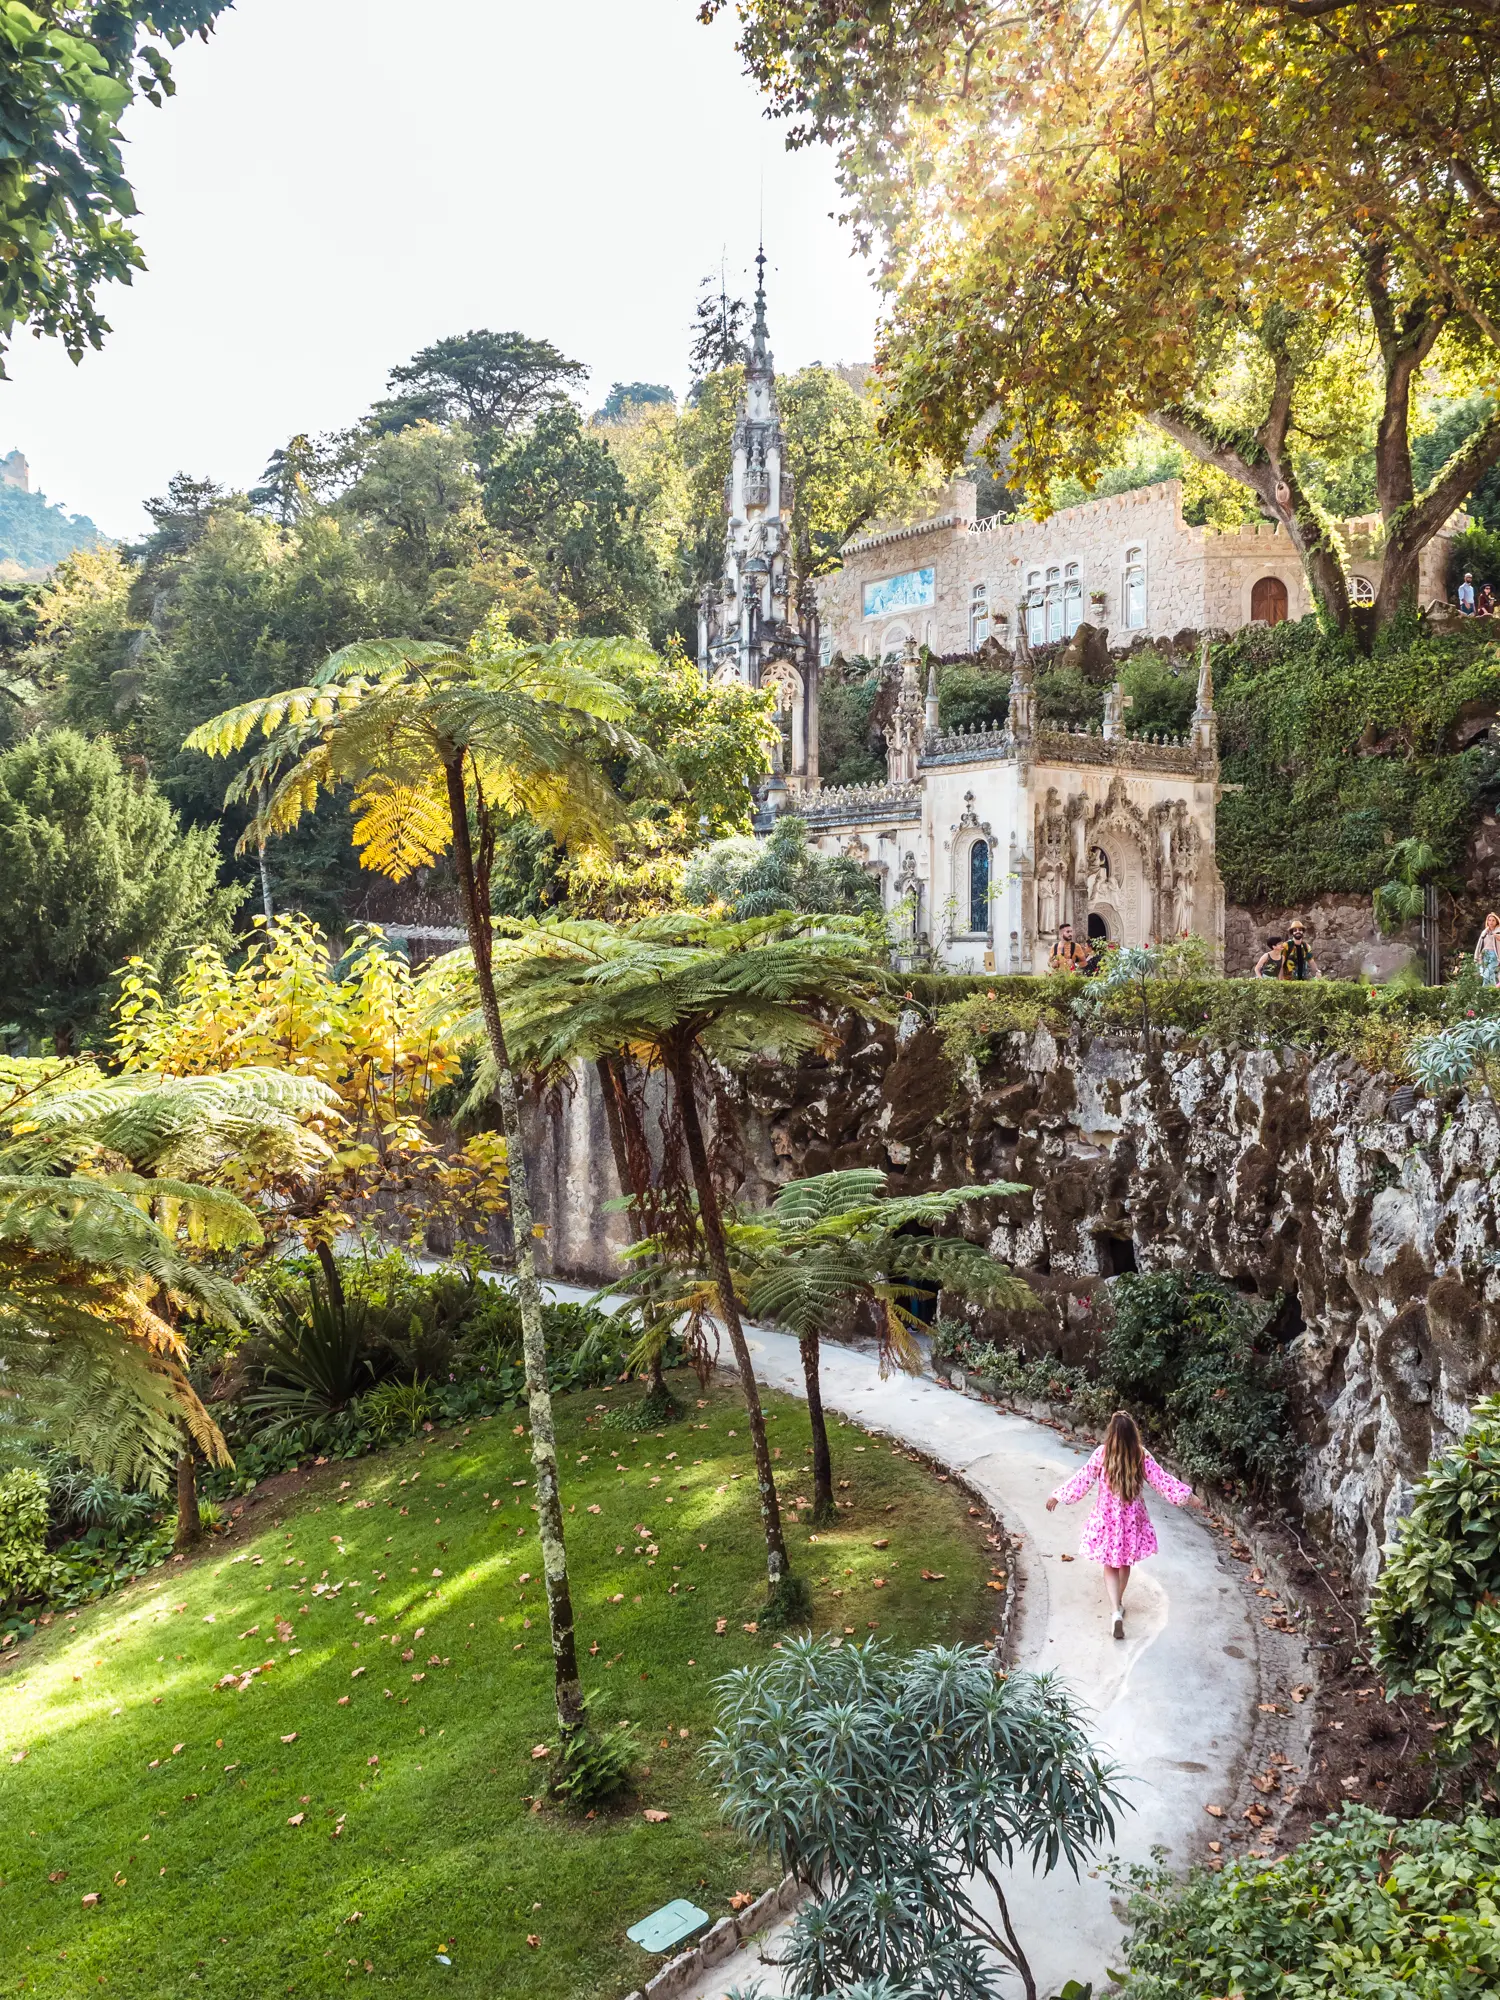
point(1036, 608)
point(979, 886)
point(1268, 600)
point(979, 616)
point(894, 644)
point(1135, 590)
point(1361, 590)
point(1072, 600)
point(1054, 603)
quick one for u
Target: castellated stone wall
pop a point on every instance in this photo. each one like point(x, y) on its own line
point(1195, 578)
point(1374, 1213)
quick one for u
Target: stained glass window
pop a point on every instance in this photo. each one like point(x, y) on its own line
point(979, 886)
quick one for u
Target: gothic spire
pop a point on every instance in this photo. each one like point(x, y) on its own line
point(760, 354)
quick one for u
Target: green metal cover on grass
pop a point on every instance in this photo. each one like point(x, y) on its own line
point(667, 1926)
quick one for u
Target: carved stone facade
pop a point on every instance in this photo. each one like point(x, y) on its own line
point(758, 624)
point(987, 841)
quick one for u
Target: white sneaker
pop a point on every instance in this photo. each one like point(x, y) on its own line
point(1119, 1624)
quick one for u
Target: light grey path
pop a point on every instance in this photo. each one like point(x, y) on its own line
point(1173, 1704)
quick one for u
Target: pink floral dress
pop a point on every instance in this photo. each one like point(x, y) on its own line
point(1118, 1533)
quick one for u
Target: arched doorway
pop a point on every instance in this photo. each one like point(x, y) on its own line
point(1098, 929)
point(1268, 601)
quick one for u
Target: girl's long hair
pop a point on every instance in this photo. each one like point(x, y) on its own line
point(1124, 1457)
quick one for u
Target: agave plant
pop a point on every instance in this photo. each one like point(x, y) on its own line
point(319, 1356)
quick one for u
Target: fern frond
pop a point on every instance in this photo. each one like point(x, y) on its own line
point(400, 826)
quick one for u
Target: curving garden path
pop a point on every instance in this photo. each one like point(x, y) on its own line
point(1174, 1704)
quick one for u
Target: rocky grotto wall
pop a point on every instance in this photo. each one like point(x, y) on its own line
point(1373, 1211)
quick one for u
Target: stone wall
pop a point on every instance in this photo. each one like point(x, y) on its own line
point(1346, 941)
point(1374, 1213)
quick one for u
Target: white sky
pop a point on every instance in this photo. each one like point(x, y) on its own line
point(326, 194)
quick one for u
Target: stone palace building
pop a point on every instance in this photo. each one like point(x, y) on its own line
point(984, 842)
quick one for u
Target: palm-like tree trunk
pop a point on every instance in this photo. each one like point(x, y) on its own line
point(605, 1068)
point(823, 1504)
point(567, 1689)
point(679, 1052)
point(189, 1524)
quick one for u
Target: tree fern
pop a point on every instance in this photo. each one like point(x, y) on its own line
point(496, 729)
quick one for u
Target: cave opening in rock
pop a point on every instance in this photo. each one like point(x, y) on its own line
point(1116, 1254)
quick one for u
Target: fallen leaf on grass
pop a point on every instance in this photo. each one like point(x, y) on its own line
point(934, 1576)
point(1216, 1811)
point(58, 1875)
point(343, 1701)
point(992, 1585)
point(879, 1582)
point(19, 1756)
point(532, 1939)
point(751, 1627)
point(721, 1624)
point(740, 1901)
point(290, 1739)
point(884, 1543)
point(655, 1816)
point(541, 1750)
point(91, 1899)
point(296, 1819)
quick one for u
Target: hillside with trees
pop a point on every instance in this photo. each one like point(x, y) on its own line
point(36, 536)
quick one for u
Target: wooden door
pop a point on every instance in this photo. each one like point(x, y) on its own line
point(1268, 600)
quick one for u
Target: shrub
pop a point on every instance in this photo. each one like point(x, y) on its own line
point(26, 1569)
point(1368, 1906)
point(1186, 1352)
point(1432, 1616)
point(397, 1409)
point(1383, 1026)
point(595, 1766)
point(1191, 1350)
point(892, 1786)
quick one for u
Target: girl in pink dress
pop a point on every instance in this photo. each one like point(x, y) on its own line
point(1119, 1533)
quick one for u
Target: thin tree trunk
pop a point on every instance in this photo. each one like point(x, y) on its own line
point(265, 886)
point(679, 1054)
point(567, 1689)
point(189, 1525)
point(823, 1504)
point(609, 1084)
point(604, 1069)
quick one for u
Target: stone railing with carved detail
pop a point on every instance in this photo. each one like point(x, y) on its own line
point(959, 746)
point(1082, 744)
point(832, 803)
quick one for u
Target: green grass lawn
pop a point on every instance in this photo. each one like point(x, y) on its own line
point(359, 1797)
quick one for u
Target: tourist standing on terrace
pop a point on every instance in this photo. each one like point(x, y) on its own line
point(1066, 955)
point(1297, 961)
point(1487, 950)
point(1268, 965)
point(1118, 1534)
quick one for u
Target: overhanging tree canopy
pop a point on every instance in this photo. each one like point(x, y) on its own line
point(1182, 210)
point(68, 74)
